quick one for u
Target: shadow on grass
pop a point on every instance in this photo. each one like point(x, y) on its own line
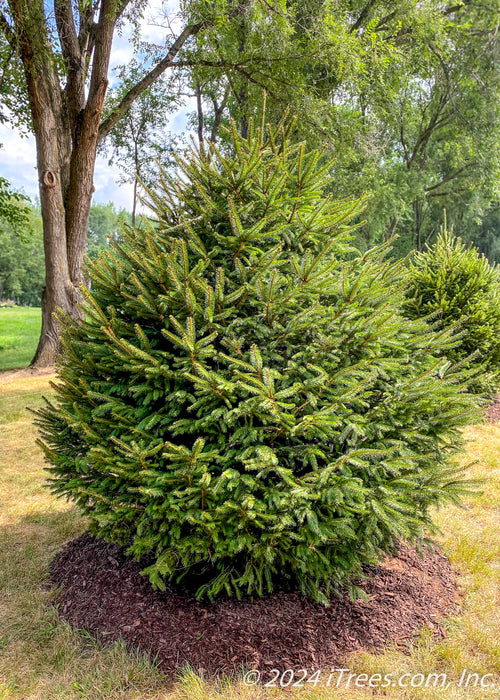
point(38, 650)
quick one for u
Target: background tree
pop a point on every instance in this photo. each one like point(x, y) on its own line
point(13, 209)
point(456, 286)
point(441, 131)
point(486, 234)
point(140, 137)
point(22, 270)
point(105, 224)
point(18, 244)
point(404, 95)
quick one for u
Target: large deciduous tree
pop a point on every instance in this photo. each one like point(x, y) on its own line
point(405, 94)
point(57, 55)
point(64, 52)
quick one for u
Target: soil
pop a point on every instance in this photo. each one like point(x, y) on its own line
point(14, 374)
point(493, 411)
point(102, 590)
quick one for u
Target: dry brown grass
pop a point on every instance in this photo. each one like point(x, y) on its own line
point(42, 658)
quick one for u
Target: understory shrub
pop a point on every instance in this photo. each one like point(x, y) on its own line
point(456, 286)
point(244, 403)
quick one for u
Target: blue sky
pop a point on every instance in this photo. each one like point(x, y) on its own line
point(18, 155)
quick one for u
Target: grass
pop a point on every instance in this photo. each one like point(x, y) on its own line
point(19, 332)
point(42, 658)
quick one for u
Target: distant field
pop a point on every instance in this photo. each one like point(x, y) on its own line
point(19, 331)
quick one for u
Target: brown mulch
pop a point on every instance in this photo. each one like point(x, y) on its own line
point(103, 591)
point(493, 411)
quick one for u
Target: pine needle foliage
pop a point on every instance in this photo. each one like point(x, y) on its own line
point(457, 287)
point(244, 402)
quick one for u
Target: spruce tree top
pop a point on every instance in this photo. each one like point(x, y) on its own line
point(244, 401)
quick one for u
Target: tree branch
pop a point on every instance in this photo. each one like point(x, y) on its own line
point(362, 16)
point(100, 67)
point(454, 176)
point(73, 61)
point(65, 24)
point(31, 36)
point(435, 122)
point(143, 84)
point(454, 8)
point(7, 30)
point(166, 62)
point(385, 20)
point(199, 110)
point(218, 111)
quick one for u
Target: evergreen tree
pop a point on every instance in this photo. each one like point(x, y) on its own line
point(457, 285)
point(244, 402)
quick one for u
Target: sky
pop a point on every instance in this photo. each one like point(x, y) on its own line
point(18, 154)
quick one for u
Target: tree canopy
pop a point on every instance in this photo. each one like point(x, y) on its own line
point(404, 95)
point(21, 258)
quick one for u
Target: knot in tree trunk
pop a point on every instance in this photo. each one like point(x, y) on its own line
point(49, 179)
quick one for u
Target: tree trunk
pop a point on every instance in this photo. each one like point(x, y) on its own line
point(66, 188)
point(60, 290)
point(417, 210)
point(65, 209)
point(134, 204)
point(199, 112)
point(67, 126)
point(392, 228)
point(243, 92)
point(66, 153)
point(136, 176)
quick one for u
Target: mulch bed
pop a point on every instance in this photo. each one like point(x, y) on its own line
point(103, 591)
point(493, 411)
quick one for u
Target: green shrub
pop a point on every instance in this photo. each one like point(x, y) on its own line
point(461, 289)
point(244, 402)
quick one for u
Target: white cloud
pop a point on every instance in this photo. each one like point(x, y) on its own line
point(18, 166)
point(18, 160)
point(160, 18)
point(107, 188)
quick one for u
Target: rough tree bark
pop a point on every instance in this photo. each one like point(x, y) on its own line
point(67, 127)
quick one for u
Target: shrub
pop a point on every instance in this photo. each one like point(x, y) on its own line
point(461, 288)
point(244, 402)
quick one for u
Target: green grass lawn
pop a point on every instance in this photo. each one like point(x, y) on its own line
point(42, 658)
point(19, 332)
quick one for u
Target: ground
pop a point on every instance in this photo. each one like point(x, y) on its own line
point(42, 658)
point(19, 333)
point(103, 591)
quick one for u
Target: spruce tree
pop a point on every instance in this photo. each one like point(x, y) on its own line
point(456, 287)
point(244, 402)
